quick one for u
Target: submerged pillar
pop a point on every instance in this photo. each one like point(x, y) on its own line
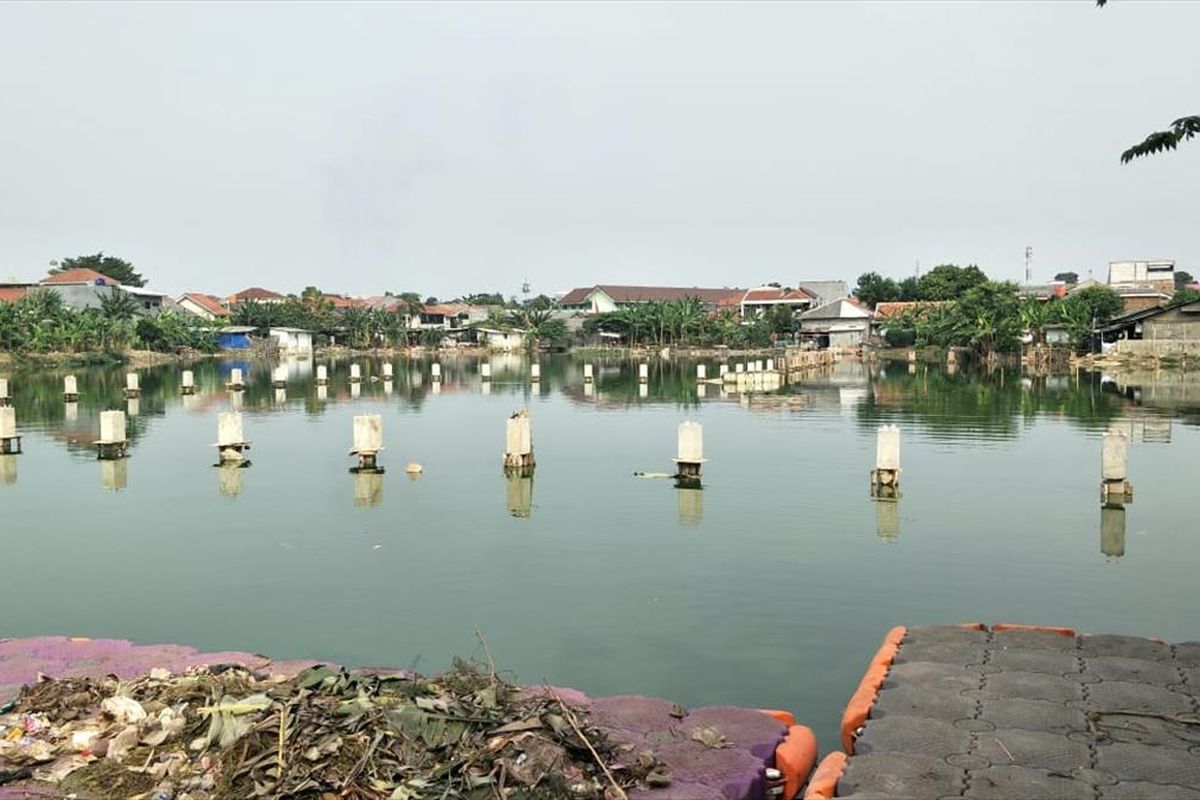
point(235, 383)
point(113, 441)
point(587, 373)
point(689, 452)
point(387, 371)
point(187, 382)
point(279, 376)
point(643, 373)
point(3, 391)
point(70, 389)
point(535, 372)
point(322, 375)
point(1115, 488)
point(10, 442)
point(231, 441)
point(723, 370)
point(436, 372)
point(701, 372)
point(133, 387)
point(368, 442)
point(355, 373)
point(518, 494)
point(885, 478)
point(1112, 531)
point(485, 370)
point(518, 443)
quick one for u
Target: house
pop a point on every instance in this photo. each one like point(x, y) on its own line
point(1058, 335)
point(1159, 274)
point(292, 341)
point(1137, 298)
point(605, 298)
point(255, 293)
point(756, 302)
point(824, 291)
point(496, 339)
point(843, 323)
point(1043, 292)
point(12, 292)
point(82, 288)
point(1174, 329)
point(203, 305)
point(235, 337)
point(891, 311)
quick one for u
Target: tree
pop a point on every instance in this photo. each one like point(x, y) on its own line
point(431, 301)
point(484, 299)
point(948, 282)
point(1181, 129)
point(1067, 277)
point(540, 302)
point(116, 304)
point(118, 269)
point(1185, 295)
point(873, 289)
point(1182, 279)
point(1085, 309)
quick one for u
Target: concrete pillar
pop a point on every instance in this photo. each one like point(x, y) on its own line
point(279, 376)
point(701, 372)
point(701, 390)
point(387, 387)
point(518, 442)
point(133, 407)
point(10, 442)
point(355, 373)
point(187, 382)
point(689, 450)
point(133, 387)
point(643, 373)
point(885, 478)
point(322, 375)
point(643, 390)
point(368, 440)
point(70, 388)
point(535, 372)
point(589, 389)
point(485, 370)
point(231, 440)
point(322, 392)
point(387, 371)
point(723, 370)
point(113, 440)
point(770, 365)
point(758, 365)
point(3, 391)
point(587, 373)
point(912, 356)
point(436, 386)
point(1115, 488)
point(236, 382)
point(436, 371)
point(71, 411)
point(355, 389)
point(739, 368)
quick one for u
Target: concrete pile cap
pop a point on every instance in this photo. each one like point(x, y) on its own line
point(1016, 711)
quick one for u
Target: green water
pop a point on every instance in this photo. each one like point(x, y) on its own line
point(770, 587)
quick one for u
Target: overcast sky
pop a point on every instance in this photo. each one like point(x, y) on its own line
point(446, 148)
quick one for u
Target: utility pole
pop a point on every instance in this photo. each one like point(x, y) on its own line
point(1028, 265)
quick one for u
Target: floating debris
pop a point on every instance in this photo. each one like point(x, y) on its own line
point(227, 732)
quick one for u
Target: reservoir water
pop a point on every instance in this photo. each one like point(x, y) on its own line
point(769, 587)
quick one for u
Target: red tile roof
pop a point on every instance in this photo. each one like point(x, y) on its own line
point(774, 294)
point(895, 308)
point(11, 294)
point(80, 275)
point(209, 303)
point(340, 301)
point(255, 293)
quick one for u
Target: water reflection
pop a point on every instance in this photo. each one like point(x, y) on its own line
point(1112, 531)
point(887, 520)
point(114, 473)
point(518, 494)
point(368, 488)
point(691, 506)
point(230, 482)
point(8, 469)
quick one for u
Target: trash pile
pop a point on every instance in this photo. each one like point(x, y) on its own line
point(226, 732)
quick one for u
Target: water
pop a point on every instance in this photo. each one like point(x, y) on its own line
point(770, 587)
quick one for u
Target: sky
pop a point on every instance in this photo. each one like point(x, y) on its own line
point(461, 147)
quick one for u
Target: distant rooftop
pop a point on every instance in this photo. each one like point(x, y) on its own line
point(80, 275)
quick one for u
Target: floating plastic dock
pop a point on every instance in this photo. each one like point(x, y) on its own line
point(1023, 712)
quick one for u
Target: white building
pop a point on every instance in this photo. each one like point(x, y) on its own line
point(292, 341)
point(1159, 273)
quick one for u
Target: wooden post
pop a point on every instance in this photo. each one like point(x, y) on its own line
point(885, 478)
point(518, 443)
point(187, 382)
point(231, 441)
point(113, 441)
point(368, 442)
point(70, 389)
point(133, 387)
point(10, 442)
point(1115, 489)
